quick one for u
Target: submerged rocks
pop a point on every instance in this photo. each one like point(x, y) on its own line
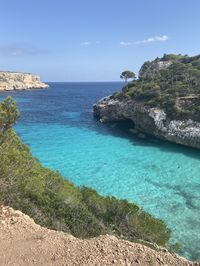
point(133, 131)
point(153, 121)
point(20, 81)
point(141, 136)
point(136, 133)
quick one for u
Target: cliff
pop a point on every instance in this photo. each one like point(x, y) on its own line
point(23, 242)
point(162, 102)
point(152, 121)
point(20, 81)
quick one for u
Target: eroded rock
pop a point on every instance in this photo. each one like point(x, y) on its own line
point(152, 121)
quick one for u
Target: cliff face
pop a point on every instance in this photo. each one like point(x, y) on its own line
point(153, 121)
point(20, 81)
point(150, 68)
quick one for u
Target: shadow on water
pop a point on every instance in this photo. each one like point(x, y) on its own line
point(122, 130)
point(188, 196)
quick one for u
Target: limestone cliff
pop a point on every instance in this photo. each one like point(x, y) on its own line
point(20, 81)
point(150, 68)
point(164, 101)
point(152, 121)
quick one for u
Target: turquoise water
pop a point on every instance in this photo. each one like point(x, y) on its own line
point(161, 177)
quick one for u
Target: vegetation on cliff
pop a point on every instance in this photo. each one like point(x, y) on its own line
point(171, 83)
point(56, 203)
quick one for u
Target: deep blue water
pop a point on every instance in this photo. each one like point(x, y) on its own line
point(161, 177)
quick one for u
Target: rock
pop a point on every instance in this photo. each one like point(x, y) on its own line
point(150, 68)
point(152, 121)
point(113, 125)
point(104, 119)
point(133, 131)
point(141, 136)
point(20, 81)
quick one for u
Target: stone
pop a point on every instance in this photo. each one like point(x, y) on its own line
point(141, 136)
point(133, 131)
point(147, 120)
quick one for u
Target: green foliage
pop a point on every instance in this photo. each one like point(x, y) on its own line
point(118, 95)
point(167, 57)
point(164, 86)
point(8, 114)
point(56, 203)
point(124, 218)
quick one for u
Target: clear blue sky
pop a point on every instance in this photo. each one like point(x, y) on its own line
point(85, 40)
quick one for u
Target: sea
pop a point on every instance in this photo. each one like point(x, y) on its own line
point(161, 177)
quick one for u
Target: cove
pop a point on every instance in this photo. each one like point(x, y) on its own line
point(163, 178)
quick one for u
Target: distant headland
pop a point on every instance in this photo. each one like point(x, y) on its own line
point(20, 81)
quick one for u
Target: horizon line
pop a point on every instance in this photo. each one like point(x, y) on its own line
point(86, 81)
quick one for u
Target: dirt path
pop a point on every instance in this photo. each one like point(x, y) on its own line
point(24, 243)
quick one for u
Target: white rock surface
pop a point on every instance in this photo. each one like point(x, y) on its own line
point(20, 81)
point(153, 121)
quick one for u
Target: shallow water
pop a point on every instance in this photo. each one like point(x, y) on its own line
point(161, 177)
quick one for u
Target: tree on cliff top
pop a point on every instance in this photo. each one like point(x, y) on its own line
point(127, 74)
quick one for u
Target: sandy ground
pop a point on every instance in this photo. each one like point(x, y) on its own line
point(24, 243)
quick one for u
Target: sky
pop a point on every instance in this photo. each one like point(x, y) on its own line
point(94, 40)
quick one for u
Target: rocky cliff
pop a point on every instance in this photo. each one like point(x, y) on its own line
point(23, 242)
point(20, 81)
point(149, 68)
point(163, 102)
point(152, 121)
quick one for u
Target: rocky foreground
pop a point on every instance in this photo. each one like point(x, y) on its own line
point(25, 243)
point(20, 81)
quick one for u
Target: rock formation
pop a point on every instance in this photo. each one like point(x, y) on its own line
point(163, 102)
point(20, 81)
point(150, 68)
point(152, 121)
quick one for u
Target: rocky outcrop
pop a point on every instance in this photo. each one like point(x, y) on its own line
point(151, 68)
point(152, 121)
point(25, 243)
point(20, 81)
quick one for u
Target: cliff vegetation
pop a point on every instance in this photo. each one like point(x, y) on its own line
point(171, 83)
